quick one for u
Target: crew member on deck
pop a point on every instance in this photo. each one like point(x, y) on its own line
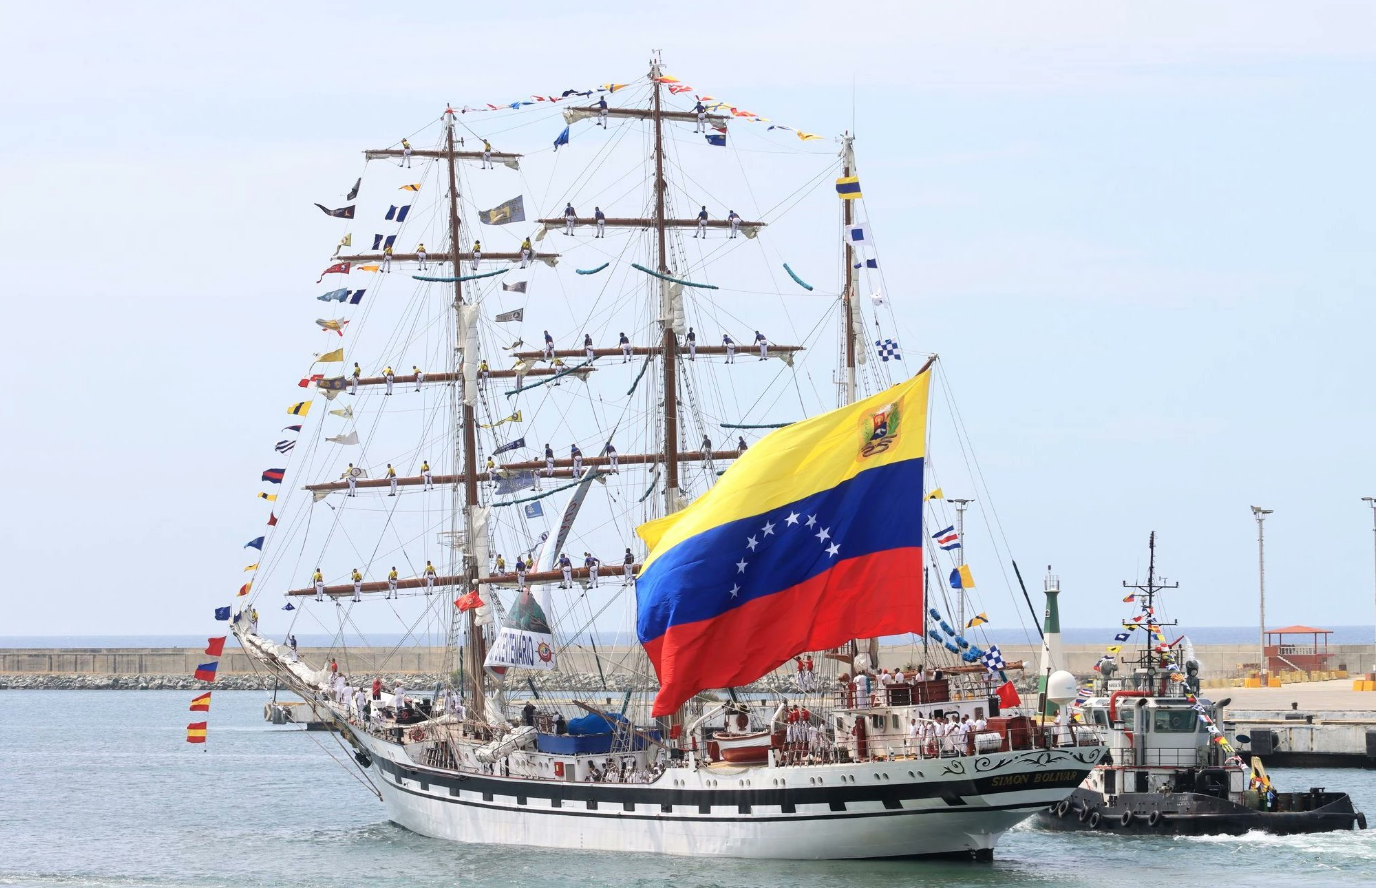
point(549, 461)
point(391, 480)
point(426, 478)
point(358, 585)
point(625, 348)
point(735, 222)
point(587, 347)
point(591, 564)
point(477, 254)
point(406, 153)
point(627, 567)
point(429, 577)
point(549, 346)
point(392, 583)
point(730, 348)
point(566, 567)
point(570, 218)
point(420, 256)
point(701, 111)
point(318, 579)
point(610, 451)
point(526, 252)
point(387, 259)
point(349, 477)
point(389, 377)
point(602, 111)
point(692, 345)
point(601, 219)
point(420, 376)
point(353, 379)
point(763, 343)
point(487, 156)
point(702, 224)
point(577, 456)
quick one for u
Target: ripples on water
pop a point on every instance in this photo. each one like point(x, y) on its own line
point(100, 789)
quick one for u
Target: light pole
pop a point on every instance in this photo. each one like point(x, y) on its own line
point(961, 505)
point(1261, 514)
point(1371, 501)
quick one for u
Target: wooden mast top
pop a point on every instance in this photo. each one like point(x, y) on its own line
point(670, 339)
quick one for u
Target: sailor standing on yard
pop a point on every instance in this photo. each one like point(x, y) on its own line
point(701, 111)
point(577, 456)
point(735, 222)
point(521, 569)
point(353, 379)
point(319, 580)
point(763, 343)
point(549, 346)
point(587, 347)
point(549, 461)
point(389, 377)
point(591, 564)
point(602, 111)
point(477, 254)
point(420, 255)
point(391, 480)
point(429, 577)
point(601, 219)
point(406, 153)
point(420, 375)
point(387, 259)
point(566, 567)
point(625, 349)
point(730, 348)
point(627, 567)
point(610, 451)
point(702, 224)
point(525, 252)
point(349, 477)
point(425, 476)
point(487, 156)
point(358, 585)
point(392, 583)
point(570, 218)
point(492, 473)
point(692, 345)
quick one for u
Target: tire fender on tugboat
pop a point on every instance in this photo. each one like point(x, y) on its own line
point(1062, 807)
point(1094, 820)
point(1154, 819)
point(1126, 819)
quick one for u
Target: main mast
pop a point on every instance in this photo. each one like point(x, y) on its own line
point(848, 292)
point(670, 338)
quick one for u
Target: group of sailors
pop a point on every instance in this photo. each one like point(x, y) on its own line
point(591, 562)
point(628, 770)
point(866, 690)
point(949, 734)
point(429, 575)
point(389, 378)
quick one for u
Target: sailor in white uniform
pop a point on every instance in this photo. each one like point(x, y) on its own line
point(521, 569)
point(577, 456)
point(602, 112)
point(549, 461)
point(420, 255)
point(487, 156)
point(702, 118)
point(592, 564)
point(319, 580)
point(389, 377)
point(406, 153)
point(763, 343)
point(692, 345)
point(702, 224)
point(610, 451)
point(420, 375)
point(570, 218)
point(587, 347)
point(430, 575)
point(627, 568)
point(392, 582)
point(387, 259)
point(391, 480)
point(526, 252)
point(625, 348)
point(358, 585)
point(566, 567)
point(349, 477)
point(477, 254)
point(353, 379)
point(735, 222)
point(549, 346)
point(730, 348)
point(427, 478)
point(601, 219)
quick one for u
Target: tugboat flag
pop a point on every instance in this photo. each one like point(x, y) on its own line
point(848, 187)
point(201, 703)
point(790, 551)
point(947, 539)
point(195, 732)
point(206, 671)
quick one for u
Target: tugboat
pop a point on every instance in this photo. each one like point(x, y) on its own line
point(1170, 768)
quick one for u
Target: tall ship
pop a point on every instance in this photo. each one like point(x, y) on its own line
point(1171, 768)
point(657, 552)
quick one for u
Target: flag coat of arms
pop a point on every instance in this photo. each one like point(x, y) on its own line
point(504, 213)
point(792, 550)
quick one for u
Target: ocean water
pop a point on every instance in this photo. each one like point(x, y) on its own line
point(99, 788)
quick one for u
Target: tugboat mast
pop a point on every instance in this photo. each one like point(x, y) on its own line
point(1146, 660)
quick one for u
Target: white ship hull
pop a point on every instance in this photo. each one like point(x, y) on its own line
point(904, 808)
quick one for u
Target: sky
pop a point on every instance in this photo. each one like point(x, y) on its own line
point(1138, 235)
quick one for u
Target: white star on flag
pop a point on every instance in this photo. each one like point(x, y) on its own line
point(824, 534)
point(734, 589)
point(751, 542)
point(740, 566)
point(811, 520)
point(792, 518)
point(768, 528)
point(833, 549)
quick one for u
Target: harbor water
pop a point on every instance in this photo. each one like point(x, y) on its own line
point(100, 788)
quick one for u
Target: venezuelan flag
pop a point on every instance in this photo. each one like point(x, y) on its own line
point(201, 703)
point(195, 732)
point(812, 538)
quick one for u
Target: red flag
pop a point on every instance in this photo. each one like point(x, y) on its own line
point(1008, 695)
point(337, 268)
point(216, 647)
point(201, 703)
point(243, 590)
point(468, 602)
point(313, 378)
point(272, 520)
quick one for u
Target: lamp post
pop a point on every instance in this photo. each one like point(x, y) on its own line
point(1260, 515)
point(1371, 501)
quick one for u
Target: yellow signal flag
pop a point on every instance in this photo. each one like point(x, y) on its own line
point(331, 357)
point(977, 620)
point(300, 408)
point(253, 566)
point(806, 137)
point(270, 497)
point(848, 187)
point(415, 187)
point(1114, 648)
point(935, 494)
point(367, 267)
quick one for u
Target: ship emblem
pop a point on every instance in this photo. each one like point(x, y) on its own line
point(544, 652)
point(880, 431)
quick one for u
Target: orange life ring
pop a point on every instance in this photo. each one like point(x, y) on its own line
point(417, 734)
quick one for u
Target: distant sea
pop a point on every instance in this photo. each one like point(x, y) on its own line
point(1198, 635)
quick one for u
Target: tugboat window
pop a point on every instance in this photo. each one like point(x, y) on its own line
point(1175, 721)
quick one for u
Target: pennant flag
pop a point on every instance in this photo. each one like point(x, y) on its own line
point(369, 267)
point(515, 417)
point(201, 703)
point(301, 408)
point(516, 315)
point(274, 476)
point(935, 495)
point(808, 137)
point(356, 296)
point(716, 139)
point(848, 187)
point(961, 578)
point(270, 497)
point(328, 358)
point(253, 566)
point(206, 671)
point(284, 446)
point(341, 213)
point(860, 234)
point(1127, 599)
point(288, 606)
point(868, 263)
point(337, 325)
point(347, 412)
point(307, 380)
point(787, 549)
point(215, 647)
point(534, 510)
point(243, 590)
point(1008, 695)
point(334, 296)
point(353, 192)
point(337, 268)
point(1113, 649)
point(397, 214)
point(468, 602)
point(947, 539)
point(351, 438)
point(272, 519)
point(195, 732)
point(563, 139)
point(383, 241)
point(977, 620)
point(504, 213)
point(510, 445)
point(255, 543)
point(415, 187)
point(888, 350)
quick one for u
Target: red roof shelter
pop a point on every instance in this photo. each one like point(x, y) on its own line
point(1284, 654)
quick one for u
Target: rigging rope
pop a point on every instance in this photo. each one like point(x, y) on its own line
point(467, 277)
point(665, 277)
